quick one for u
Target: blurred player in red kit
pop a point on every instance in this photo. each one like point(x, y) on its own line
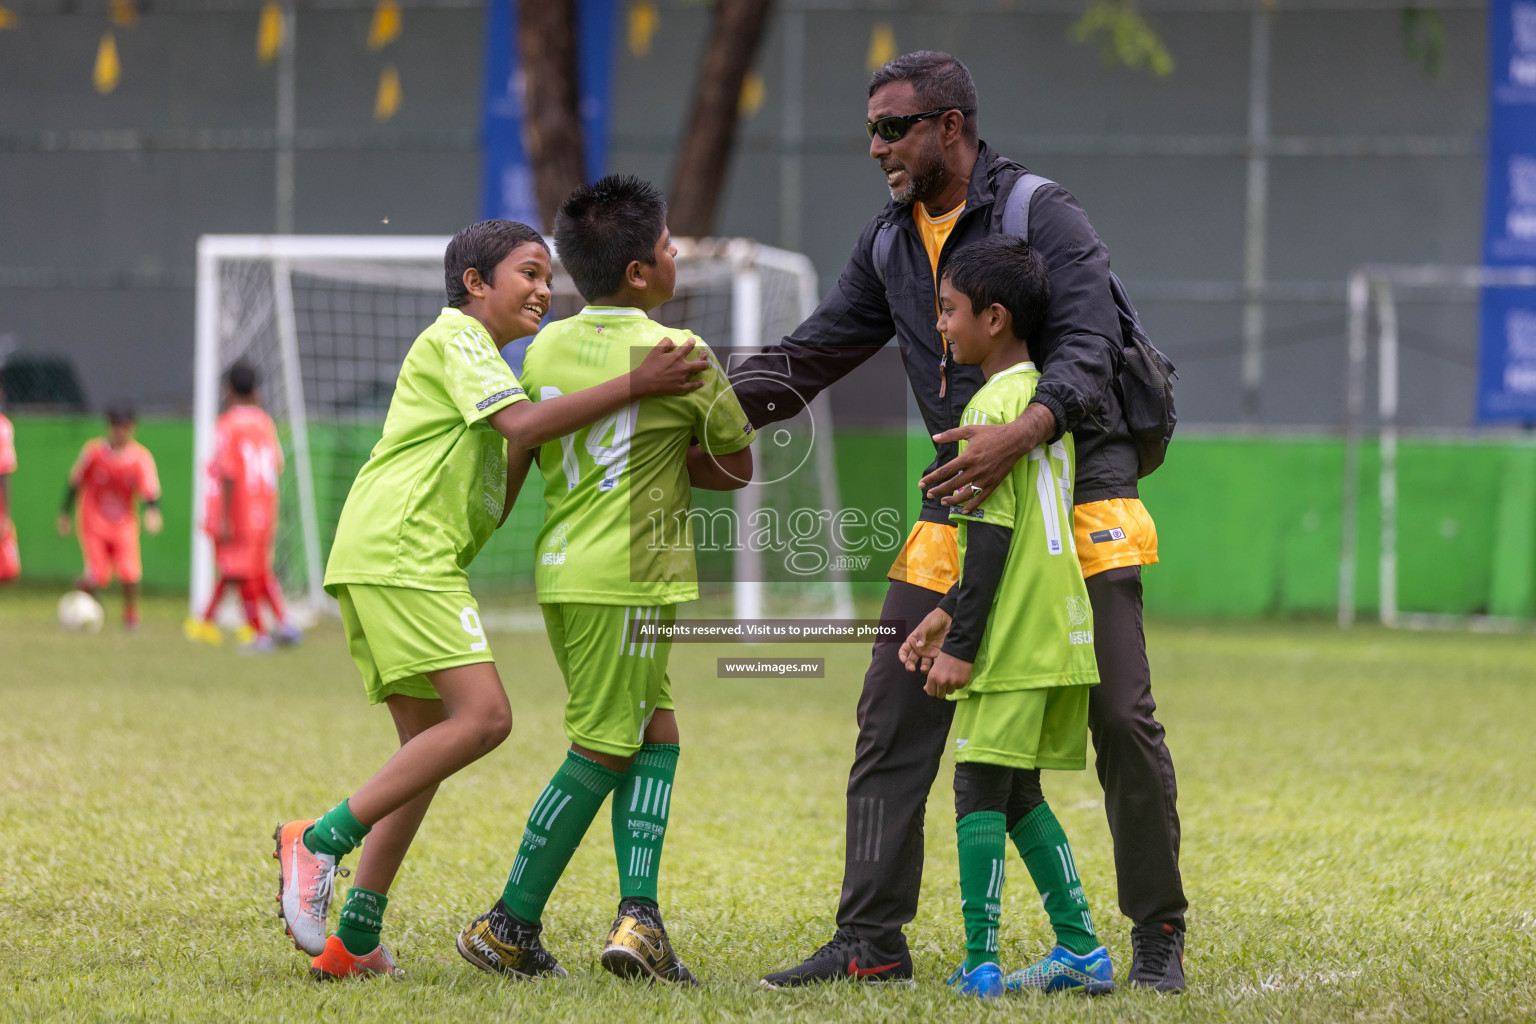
point(10, 558)
point(110, 477)
point(241, 515)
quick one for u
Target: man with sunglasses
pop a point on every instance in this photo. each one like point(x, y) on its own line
point(948, 188)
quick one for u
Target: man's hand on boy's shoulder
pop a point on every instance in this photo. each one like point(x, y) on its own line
point(668, 370)
point(991, 450)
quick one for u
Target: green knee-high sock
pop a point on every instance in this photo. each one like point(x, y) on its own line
point(560, 817)
point(1043, 845)
point(337, 832)
point(982, 838)
point(640, 807)
point(362, 918)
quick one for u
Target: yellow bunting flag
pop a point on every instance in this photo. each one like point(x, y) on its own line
point(385, 26)
point(269, 32)
point(124, 13)
point(108, 68)
point(752, 92)
point(643, 22)
point(388, 99)
point(882, 45)
point(7, 18)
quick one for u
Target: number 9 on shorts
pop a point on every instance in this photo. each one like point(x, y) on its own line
point(397, 635)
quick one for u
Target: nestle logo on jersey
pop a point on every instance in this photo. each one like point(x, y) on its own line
point(553, 558)
point(1080, 636)
point(1105, 536)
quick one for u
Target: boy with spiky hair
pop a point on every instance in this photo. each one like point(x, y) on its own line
point(110, 478)
point(602, 579)
point(432, 492)
point(1012, 642)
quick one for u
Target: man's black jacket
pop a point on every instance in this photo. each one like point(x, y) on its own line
point(1078, 351)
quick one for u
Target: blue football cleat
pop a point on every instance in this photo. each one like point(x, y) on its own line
point(1062, 971)
point(985, 982)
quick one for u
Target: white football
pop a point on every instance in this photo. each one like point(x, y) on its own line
point(79, 612)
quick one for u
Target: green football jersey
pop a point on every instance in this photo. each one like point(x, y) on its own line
point(1040, 629)
point(616, 494)
point(431, 493)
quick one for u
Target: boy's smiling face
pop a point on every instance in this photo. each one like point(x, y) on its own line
point(972, 336)
point(513, 304)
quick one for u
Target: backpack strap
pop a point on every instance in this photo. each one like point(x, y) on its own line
point(880, 251)
point(1016, 206)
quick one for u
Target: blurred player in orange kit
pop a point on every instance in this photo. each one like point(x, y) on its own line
point(110, 477)
point(10, 558)
point(241, 514)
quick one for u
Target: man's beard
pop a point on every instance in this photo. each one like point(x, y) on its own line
point(924, 179)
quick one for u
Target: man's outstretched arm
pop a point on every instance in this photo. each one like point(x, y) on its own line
point(852, 322)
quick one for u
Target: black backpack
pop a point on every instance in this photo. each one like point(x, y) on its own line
point(1145, 381)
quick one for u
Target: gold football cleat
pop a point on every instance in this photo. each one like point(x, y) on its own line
point(638, 947)
point(497, 943)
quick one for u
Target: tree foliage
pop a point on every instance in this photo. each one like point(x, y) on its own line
point(1124, 37)
point(1424, 39)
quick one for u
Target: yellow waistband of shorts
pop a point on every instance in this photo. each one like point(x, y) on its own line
point(929, 559)
point(1110, 534)
point(1114, 533)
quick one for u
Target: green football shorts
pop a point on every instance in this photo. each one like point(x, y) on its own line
point(397, 635)
point(614, 680)
point(1043, 728)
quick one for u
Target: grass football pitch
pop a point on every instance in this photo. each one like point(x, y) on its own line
point(1359, 818)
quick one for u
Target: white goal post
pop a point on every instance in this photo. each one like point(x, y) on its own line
point(328, 318)
point(1377, 286)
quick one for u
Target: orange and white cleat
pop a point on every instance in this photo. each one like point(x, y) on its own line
point(336, 963)
point(304, 886)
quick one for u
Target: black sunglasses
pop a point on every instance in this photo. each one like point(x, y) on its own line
point(893, 126)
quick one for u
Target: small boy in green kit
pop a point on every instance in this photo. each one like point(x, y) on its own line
point(432, 492)
point(1013, 641)
point(603, 574)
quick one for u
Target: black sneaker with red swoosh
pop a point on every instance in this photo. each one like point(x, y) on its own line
point(846, 958)
point(1157, 958)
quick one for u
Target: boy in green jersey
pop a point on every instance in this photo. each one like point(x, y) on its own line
point(614, 557)
point(1013, 640)
point(432, 492)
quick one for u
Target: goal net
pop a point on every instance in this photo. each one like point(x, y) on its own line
point(1438, 518)
point(327, 322)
